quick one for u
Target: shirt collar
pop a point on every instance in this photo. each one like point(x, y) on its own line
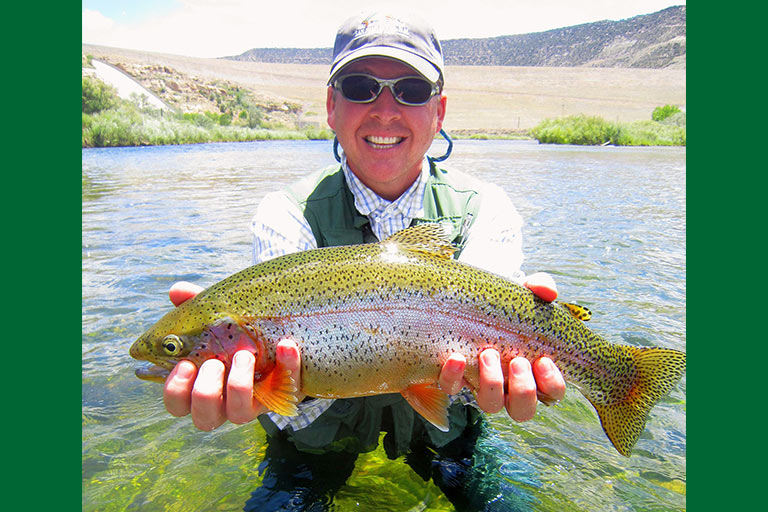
point(409, 204)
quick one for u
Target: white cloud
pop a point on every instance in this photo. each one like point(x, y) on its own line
point(95, 22)
point(204, 28)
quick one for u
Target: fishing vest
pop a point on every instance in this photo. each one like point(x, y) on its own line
point(355, 424)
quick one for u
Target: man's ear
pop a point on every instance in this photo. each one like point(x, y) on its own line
point(330, 107)
point(440, 113)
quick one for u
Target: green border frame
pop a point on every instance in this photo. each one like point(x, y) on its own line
point(726, 222)
point(42, 225)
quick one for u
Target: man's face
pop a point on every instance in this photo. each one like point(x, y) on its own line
point(385, 142)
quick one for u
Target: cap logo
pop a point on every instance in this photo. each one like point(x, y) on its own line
point(386, 25)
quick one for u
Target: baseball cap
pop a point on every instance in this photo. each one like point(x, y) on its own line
point(410, 40)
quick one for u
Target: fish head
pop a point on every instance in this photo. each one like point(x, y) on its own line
point(196, 334)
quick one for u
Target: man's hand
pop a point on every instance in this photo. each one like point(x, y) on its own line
point(526, 382)
point(203, 393)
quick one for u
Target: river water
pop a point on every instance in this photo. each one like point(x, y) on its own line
point(608, 223)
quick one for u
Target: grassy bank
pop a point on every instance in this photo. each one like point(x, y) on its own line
point(111, 121)
point(490, 134)
point(665, 128)
point(128, 126)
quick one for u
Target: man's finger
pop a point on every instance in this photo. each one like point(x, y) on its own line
point(241, 407)
point(178, 388)
point(521, 393)
point(490, 392)
point(208, 396)
point(451, 374)
point(549, 381)
point(287, 356)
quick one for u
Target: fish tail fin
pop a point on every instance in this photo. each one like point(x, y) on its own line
point(658, 370)
point(277, 392)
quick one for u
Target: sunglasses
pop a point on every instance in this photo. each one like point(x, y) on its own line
point(409, 90)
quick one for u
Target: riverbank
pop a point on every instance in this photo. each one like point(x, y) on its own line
point(110, 121)
point(214, 100)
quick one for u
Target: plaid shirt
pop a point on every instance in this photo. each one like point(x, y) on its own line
point(498, 227)
point(388, 217)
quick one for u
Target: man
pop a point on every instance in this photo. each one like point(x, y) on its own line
point(385, 103)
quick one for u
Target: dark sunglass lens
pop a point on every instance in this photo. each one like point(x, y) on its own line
point(359, 88)
point(413, 90)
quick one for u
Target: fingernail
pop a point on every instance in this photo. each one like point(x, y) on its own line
point(287, 350)
point(520, 365)
point(491, 357)
point(456, 366)
point(212, 368)
point(185, 370)
point(241, 360)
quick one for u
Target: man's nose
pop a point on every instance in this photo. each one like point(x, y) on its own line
point(385, 107)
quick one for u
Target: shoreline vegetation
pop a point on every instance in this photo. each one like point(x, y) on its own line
point(665, 128)
point(109, 121)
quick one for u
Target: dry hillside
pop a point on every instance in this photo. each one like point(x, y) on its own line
point(480, 98)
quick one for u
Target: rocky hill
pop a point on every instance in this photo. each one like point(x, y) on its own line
point(654, 41)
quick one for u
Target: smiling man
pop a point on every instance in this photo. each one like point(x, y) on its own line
point(384, 140)
point(385, 103)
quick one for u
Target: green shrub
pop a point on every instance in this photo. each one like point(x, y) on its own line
point(197, 119)
point(316, 133)
point(98, 96)
point(87, 122)
point(650, 133)
point(677, 119)
point(661, 113)
point(594, 130)
point(581, 130)
point(254, 117)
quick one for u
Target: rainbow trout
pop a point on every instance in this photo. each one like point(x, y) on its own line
point(383, 318)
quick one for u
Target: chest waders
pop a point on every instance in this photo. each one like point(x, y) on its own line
point(354, 424)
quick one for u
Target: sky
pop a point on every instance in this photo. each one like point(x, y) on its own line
point(218, 28)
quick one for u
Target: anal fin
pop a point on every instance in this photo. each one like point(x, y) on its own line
point(431, 402)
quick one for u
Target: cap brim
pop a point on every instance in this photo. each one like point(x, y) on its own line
point(419, 64)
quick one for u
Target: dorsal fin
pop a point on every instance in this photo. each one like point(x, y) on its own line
point(429, 238)
point(578, 312)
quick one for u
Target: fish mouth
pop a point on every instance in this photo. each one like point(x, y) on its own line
point(152, 372)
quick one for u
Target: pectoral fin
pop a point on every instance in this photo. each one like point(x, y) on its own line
point(430, 402)
point(276, 391)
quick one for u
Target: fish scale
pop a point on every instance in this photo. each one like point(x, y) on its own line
point(383, 318)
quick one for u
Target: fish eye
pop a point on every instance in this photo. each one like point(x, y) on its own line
point(172, 345)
